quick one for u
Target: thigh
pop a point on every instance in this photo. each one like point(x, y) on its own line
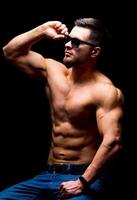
point(30, 189)
point(42, 186)
point(20, 191)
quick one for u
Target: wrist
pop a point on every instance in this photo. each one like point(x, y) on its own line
point(84, 182)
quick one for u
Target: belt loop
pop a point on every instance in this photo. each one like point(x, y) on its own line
point(69, 169)
point(54, 169)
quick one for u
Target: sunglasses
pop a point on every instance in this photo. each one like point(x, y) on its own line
point(75, 42)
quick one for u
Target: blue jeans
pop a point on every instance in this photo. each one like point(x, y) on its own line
point(45, 186)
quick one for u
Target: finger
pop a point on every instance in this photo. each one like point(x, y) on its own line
point(58, 24)
point(65, 31)
point(61, 27)
point(61, 188)
point(59, 36)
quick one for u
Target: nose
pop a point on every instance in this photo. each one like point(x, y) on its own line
point(68, 44)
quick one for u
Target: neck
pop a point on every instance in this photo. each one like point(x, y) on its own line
point(82, 73)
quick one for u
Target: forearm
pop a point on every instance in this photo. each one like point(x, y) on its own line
point(22, 43)
point(104, 154)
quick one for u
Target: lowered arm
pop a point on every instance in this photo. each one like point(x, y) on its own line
point(109, 115)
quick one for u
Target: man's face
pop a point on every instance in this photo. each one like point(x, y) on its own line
point(78, 47)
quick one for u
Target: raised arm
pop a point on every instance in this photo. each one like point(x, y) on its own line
point(19, 52)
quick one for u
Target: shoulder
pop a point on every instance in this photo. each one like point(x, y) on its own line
point(50, 62)
point(54, 65)
point(110, 102)
point(109, 96)
point(106, 93)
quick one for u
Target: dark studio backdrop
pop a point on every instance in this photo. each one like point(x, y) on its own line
point(25, 120)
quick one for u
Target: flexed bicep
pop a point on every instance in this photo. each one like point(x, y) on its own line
point(109, 116)
point(33, 64)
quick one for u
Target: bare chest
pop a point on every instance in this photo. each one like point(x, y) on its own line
point(72, 103)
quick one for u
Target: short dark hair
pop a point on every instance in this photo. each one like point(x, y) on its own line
point(99, 33)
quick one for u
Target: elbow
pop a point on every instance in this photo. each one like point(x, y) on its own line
point(116, 144)
point(8, 52)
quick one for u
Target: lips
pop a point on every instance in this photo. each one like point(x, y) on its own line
point(67, 53)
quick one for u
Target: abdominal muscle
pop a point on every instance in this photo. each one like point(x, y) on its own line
point(71, 145)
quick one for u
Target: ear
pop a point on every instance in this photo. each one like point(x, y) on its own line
point(95, 52)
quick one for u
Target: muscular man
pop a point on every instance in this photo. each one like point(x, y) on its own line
point(86, 110)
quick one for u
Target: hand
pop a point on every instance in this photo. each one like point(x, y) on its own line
point(70, 188)
point(55, 30)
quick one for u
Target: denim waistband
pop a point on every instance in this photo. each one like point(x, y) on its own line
point(66, 168)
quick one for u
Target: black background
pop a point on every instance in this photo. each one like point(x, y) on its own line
point(25, 120)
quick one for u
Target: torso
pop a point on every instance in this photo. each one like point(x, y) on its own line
point(75, 137)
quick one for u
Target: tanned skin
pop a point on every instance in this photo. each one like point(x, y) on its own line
point(86, 107)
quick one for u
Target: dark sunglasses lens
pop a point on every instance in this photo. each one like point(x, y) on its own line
point(75, 42)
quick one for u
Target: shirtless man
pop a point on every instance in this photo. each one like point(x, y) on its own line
point(86, 110)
